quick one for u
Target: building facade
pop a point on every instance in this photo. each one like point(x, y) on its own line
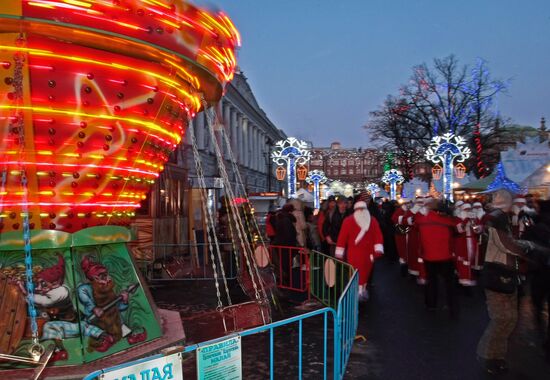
point(356, 166)
point(173, 213)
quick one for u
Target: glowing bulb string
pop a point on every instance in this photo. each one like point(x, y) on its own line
point(142, 146)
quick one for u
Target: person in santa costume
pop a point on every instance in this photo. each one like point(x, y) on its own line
point(435, 229)
point(361, 239)
point(415, 261)
point(465, 245)
point(478, 218)
point(401, 233)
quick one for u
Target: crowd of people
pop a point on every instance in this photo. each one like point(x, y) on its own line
point(437, 242)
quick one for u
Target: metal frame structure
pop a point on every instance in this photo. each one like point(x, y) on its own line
point(316, 177)
point(291, 152)
point(447, 149)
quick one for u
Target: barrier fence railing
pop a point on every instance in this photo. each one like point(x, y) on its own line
point(184, 261)
point(328, 277)
point(291, 267)
point(267, 337)
point(335, 284)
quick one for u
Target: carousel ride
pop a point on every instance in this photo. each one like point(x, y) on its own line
point(94, 97)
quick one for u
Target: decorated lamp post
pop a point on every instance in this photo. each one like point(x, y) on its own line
point(291, 153)
point(446, 150)
point(373, 189)
point(316, 177)
point(393, 177)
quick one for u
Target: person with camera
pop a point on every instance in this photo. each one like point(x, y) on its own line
point(501, 280)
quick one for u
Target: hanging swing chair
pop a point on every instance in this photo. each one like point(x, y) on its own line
point(228, 317)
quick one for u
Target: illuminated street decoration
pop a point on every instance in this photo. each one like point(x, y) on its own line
point(393, 177)
point(316, 177)
point(447, 149)
point(373, 189)
point(291, 152)
point(102, 100)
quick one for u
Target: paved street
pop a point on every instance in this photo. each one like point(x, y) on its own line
point(404, 341)
point(407, 342)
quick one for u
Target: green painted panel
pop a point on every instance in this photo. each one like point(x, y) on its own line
point(40, 239)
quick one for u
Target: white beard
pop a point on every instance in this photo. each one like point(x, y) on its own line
point(515, 209)
point(362, 218)
point(479, 213)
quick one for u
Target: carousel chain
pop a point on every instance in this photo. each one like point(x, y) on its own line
point(211, 118)
point(210, 229)
point(36, 350)
point(240, 186)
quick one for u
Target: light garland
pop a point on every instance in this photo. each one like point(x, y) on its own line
point(446, 149)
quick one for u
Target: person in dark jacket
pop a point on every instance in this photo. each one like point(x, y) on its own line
point(333, 224)
point(285, 230)
point(539, 234)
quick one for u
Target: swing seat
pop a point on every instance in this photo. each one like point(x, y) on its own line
point(246, 315)
point(13, 316)
point(177, 267)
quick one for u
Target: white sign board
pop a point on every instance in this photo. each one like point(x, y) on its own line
point(165, 368)
point(220, 361)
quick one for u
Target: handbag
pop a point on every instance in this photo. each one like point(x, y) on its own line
point(500, 278)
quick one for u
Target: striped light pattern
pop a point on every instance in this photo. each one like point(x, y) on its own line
point(94, 97)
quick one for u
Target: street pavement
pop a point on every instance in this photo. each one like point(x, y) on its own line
point(403, 340)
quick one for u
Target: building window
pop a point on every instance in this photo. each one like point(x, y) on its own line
point(343, 171)
point(351, 171)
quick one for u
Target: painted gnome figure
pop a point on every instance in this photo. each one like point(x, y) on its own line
point(97, 299)
point(53, 299)
point(361, 239)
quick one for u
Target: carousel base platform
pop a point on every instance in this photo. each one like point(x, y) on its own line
point(173, 334)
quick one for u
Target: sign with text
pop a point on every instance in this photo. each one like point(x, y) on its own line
point(164, 368)
point(220, 361)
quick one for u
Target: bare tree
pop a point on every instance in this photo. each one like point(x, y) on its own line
point(446, 98)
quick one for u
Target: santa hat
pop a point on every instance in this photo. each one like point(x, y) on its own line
point(91, 269)
point(404, 200)
point(458, 204)
point(362, 218)
point(359, 205)
point(54, 273)
point(477, 204)
point(466, 206)
point(363, 196)
point(520, 200)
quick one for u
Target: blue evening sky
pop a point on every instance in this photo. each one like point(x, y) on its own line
point(318, 67)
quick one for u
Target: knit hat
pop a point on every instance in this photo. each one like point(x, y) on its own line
point(54, 273)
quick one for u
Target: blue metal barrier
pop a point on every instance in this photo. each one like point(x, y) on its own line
point(345, 321)
point(347, 318)
point(325, 313)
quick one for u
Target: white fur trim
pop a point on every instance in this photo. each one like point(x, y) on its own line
point(420, 260)
point(371, 258)
point(400, 219)
point(359, 204)
point(460, 228)
point(339, 252)
point(424, 211)
point(410, 220)
point(379, 248)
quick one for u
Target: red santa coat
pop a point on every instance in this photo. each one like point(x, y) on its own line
point(398, 219)
point(413, 244)
point(465, 247)
point(435, 236)
point(360, 255)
